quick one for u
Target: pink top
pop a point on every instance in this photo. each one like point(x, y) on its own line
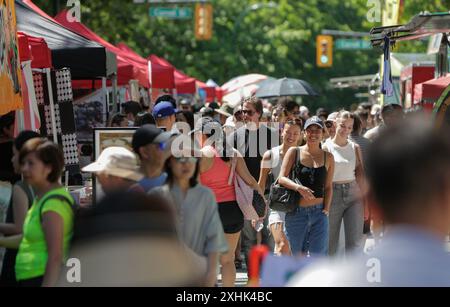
point(216, 178)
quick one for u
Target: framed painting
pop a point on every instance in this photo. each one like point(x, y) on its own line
point(107, 137)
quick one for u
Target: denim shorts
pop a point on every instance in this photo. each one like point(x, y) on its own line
point(307, 230)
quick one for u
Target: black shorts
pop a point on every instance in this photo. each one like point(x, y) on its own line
point(231, 217)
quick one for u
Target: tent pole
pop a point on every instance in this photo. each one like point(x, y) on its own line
point(31, 94)
point(150, 81)
point(442, 58)
point(105, 92)
point(114, 96)
point(52, 105)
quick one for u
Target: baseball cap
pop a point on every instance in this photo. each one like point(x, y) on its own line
point(225, 110)
point(207, 125)
point(147, 134)
point(332, 117)
point(313, 121)
point(116, 161)
point(390, 107)
point(185, 101)
point(163, 109)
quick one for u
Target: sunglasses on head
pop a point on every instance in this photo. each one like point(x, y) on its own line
point(295, 121)
point(186, 160)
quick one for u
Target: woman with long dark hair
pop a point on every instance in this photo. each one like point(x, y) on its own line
point(215, 169)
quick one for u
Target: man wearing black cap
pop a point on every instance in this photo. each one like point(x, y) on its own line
point(152, 145)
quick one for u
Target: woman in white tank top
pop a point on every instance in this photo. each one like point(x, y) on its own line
point(348, 181)
point(271, 163)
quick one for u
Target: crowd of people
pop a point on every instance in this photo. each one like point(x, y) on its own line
point(179, 214)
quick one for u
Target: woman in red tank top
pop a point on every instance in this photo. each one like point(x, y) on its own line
point(215, 168)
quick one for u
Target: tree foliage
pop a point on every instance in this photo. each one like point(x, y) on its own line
point(276, 41)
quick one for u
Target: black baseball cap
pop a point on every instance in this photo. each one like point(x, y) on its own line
point(148, 134)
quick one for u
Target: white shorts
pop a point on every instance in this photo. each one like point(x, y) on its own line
point(276, 217)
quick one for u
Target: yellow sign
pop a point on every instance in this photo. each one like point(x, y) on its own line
point(203, 21)
point(391, 12)
point(324, 51)
point(10, 73)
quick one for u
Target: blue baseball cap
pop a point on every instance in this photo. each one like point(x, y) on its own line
point(163, 109)
point(313, 121)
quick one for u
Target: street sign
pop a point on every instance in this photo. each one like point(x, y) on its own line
point(352, 44)
point(171, 12)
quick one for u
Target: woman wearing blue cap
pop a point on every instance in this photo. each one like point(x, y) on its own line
point(307, 225)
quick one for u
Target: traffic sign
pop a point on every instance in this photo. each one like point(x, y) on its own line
point(171, 12)
point(352, 44)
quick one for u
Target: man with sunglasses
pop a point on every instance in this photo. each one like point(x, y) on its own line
point(152, 145)
point(252, 141)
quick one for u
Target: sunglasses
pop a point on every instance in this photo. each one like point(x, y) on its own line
point(329, 124)
point(186, 160)
point(248, 112)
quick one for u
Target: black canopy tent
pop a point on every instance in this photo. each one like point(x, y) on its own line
point(86, 59)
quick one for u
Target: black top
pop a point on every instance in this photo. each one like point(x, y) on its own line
point(6, 166)
point(252, 144)
point(8, 276)
point(313, 178)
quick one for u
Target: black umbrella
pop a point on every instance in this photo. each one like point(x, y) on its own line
point(285, 87)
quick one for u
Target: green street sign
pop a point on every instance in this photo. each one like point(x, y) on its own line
point(352, 44)
point(171, 12)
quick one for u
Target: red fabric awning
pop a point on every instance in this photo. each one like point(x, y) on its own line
point(34, 49)
point(24, 47)
point(162, 75)
point(430, 91)
point(127, 68)
point(183, 83)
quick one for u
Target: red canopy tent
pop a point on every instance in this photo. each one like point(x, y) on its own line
point(162, 75)
point(35, 49)
point(127, 68)
point(188, 85)
point(34, 53)
point(210, 91)
point(183, 83)
point(427, 93)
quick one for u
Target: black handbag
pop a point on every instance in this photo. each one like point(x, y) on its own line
point(284, 199)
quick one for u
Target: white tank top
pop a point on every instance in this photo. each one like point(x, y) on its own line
point(344, 160)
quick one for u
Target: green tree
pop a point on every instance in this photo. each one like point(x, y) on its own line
point(274, 41)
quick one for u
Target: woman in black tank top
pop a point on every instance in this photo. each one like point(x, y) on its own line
point(21, 200)
point(307, 226)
